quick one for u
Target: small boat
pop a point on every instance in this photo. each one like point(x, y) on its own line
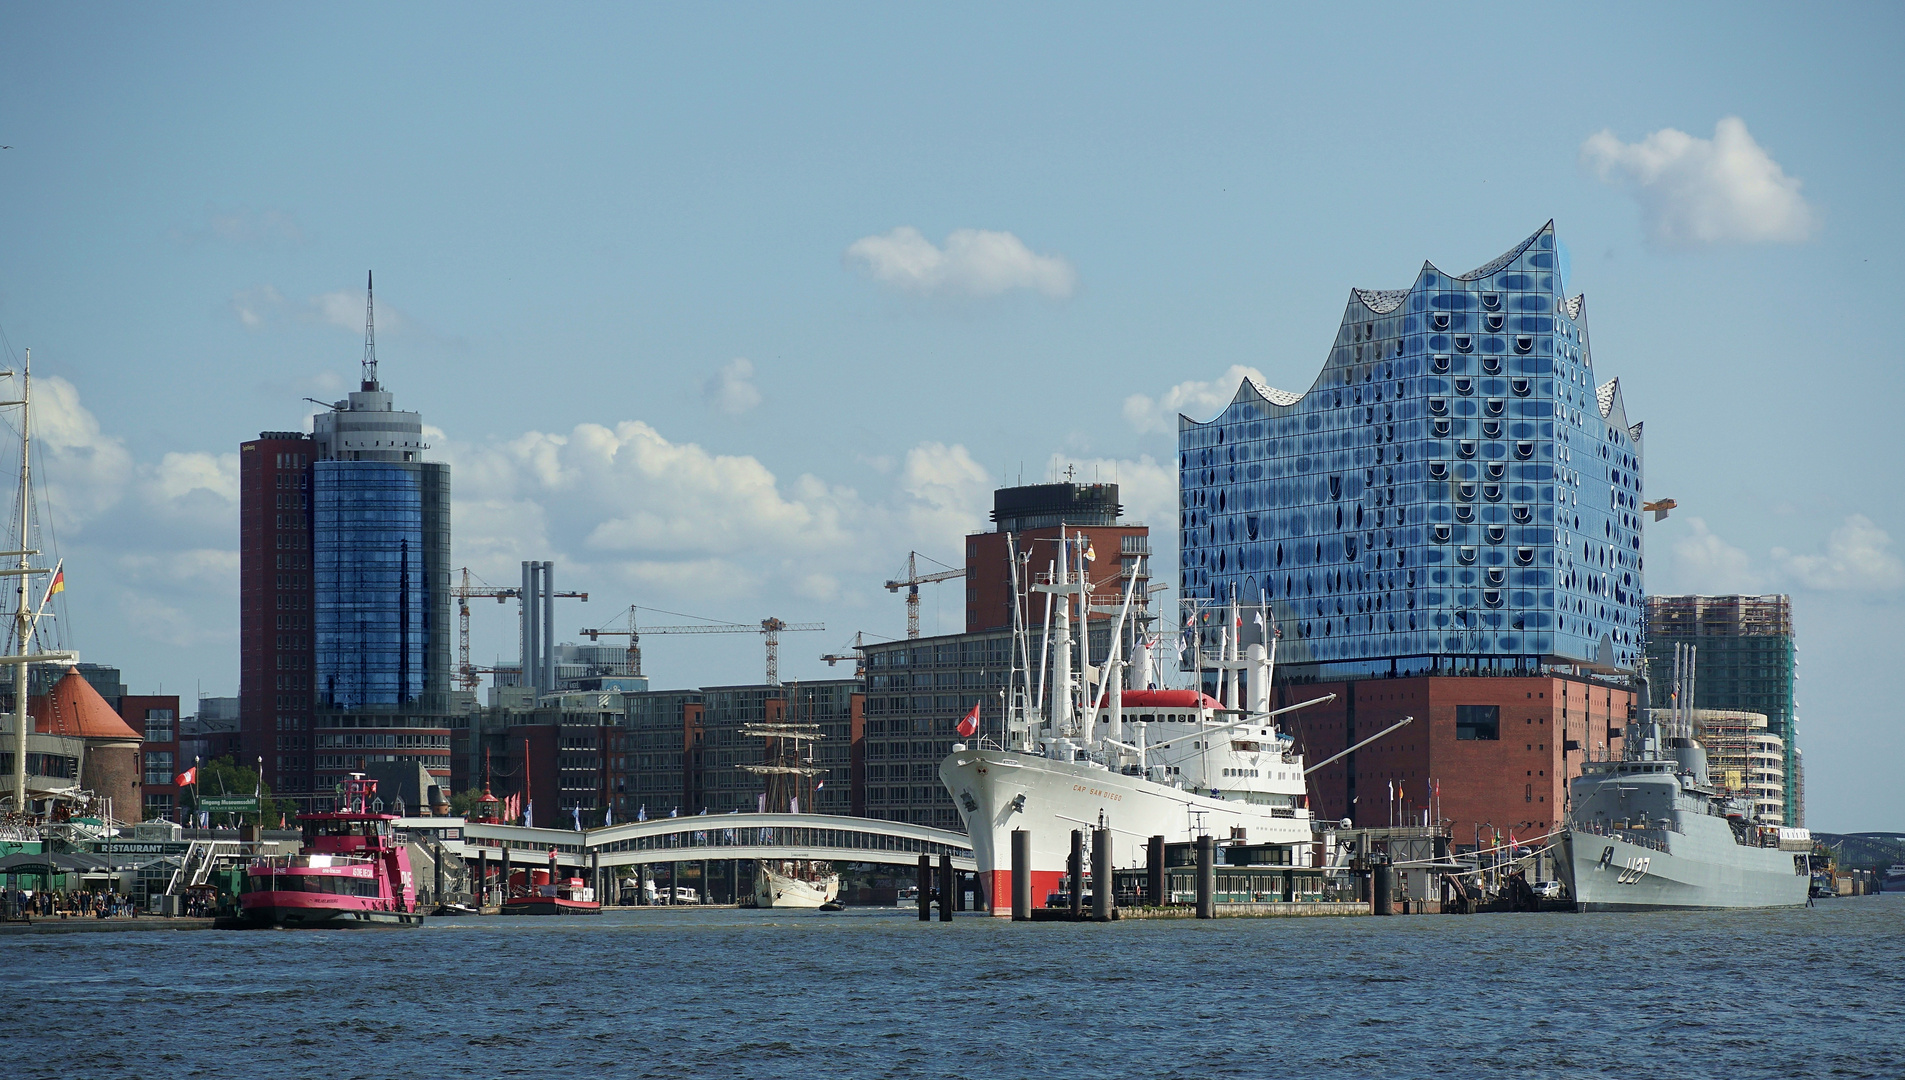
point(350, 873)
point(543, 892)
point(443, 910)
point(791, 883)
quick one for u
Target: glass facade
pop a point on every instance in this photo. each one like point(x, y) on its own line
point(1455, 491)
point(371, 604)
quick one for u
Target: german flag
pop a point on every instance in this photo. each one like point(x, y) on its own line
point(59, 582)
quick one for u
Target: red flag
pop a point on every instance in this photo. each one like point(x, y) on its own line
point(188, 777)
point(970, 725)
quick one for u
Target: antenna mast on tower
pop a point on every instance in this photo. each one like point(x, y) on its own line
point(370, 333)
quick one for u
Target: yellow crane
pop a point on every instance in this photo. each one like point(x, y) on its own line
point(911, 583)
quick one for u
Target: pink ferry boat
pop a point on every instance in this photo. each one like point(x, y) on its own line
point(351, 873)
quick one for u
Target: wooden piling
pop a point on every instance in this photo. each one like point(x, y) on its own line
point(1075, 874)
point(1154, 871)
point(923, 885)
point(945, 887)
point(1206, 877)
point(1101, 887)
point(1021, 876)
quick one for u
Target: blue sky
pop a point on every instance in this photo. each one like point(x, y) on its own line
point(726, 309)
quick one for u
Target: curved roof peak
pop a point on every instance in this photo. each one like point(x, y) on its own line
point(1267, 392)
point(1605, 394)
point(1542, 237)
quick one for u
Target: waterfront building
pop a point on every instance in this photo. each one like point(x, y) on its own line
point(85, 743)
point(1457, 494)
point(1456, 491)
point(1744, 759)
point(1747, 659)
point(1032, 517)
point(345, 603)
point(156, 718)
point(689, 750)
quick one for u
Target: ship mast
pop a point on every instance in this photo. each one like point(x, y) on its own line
point(20, 618)
point(25, 617)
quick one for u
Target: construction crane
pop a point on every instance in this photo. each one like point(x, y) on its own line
point(469, 676)
point(859, 658)
point(911, 583)
point(769, 628)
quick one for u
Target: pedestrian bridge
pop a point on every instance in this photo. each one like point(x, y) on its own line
point(833, 837)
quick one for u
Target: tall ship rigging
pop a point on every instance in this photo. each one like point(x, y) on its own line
point(55, 789)
point(790, 780)
point(1088, 743)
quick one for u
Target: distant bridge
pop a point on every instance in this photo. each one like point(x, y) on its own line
point(712, 837)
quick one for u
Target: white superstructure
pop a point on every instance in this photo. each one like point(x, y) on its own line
point(1138, 762)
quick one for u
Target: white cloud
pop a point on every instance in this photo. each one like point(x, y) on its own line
point(1696, 191)
point(945, 495)
point(1857, 557)
point(342, 309)
point(257, 306)
point(180, 474)
point(1197, 399)
point(1704, 563)
point(731, 390)
point(974, 262)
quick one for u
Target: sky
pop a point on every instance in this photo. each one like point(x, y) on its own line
point(726, 308)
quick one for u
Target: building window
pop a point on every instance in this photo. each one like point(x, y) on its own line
point(1478, 723)
point(159, 767)
point(159, 725)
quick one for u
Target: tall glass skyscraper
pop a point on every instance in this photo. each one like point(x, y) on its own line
point(345, 583)
point(1457, 491)
point(380, 549)
point(372, 596)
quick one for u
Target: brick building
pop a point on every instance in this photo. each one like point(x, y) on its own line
point(1495, 753)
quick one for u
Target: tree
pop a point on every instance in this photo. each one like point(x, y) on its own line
point(224, 776)
point(464, 803)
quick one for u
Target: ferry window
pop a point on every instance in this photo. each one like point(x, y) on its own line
point(1478, 723)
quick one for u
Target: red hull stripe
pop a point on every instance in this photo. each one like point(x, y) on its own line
point(999, 894)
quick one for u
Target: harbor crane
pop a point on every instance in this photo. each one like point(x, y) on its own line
point(911, 583)
point(471, 677)
point(770, 629)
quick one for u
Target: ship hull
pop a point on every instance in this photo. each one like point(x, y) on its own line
point(1610, 873)
point(1000, 791)
point(775, 890)
point(550, 905)
point(295, 916)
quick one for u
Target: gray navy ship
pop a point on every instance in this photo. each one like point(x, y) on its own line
point(1650, 831)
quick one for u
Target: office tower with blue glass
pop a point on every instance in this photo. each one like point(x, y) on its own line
point(1458, 493)
point(345, 583)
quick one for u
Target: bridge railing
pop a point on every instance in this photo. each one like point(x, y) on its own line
point(705, 836)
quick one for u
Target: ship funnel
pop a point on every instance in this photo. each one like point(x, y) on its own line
point(1692, 758)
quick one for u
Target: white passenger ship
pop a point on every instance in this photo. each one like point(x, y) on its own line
point(1141, 763)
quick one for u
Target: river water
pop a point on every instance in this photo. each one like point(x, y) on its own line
point(723, 993)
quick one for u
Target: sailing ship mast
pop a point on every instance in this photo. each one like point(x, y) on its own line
point(25, 617)
point(788, 771)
